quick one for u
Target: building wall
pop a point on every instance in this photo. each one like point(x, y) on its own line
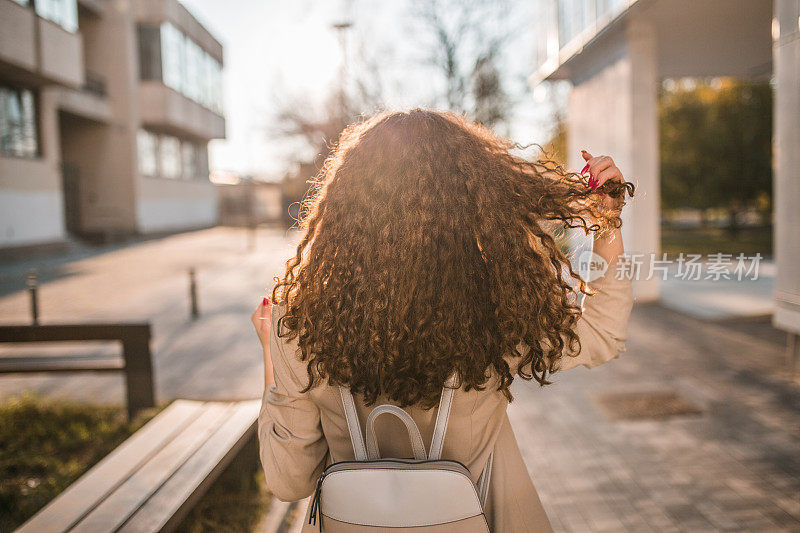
point(93, 136)
point(614, 112)
point(164, 108)
point(17, 37)
point(61, 54)
point(786, 54)
point(247, 203)
point(37, 49)
point(167, 204)
point(31, 207)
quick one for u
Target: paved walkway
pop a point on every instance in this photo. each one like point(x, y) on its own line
point(217, 356)
point(724, 298)
point(734, 467)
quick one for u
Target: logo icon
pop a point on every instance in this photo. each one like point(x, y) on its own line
point(591, 266)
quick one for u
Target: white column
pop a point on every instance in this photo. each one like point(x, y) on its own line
point(613, 110)
point(786, 144)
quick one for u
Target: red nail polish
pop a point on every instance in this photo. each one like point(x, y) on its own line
point(266, 301)
point(585, 168)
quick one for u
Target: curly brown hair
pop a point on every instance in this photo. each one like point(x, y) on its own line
point(425, 252)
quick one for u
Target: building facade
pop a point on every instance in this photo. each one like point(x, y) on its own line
point(616, 53)
point(247, 201)
point(106, 110)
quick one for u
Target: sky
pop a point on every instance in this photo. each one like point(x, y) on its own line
point(278, 52)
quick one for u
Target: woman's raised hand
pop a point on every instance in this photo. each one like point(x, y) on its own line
point(602, 169)
point(262, 319)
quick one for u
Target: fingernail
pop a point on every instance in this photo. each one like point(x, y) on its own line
point(594, 187)
point(585, 168)
point(591, 182)
point(584, 152)
point(266, 301)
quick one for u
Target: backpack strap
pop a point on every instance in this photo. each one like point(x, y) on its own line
point(417, 444)
point(483, 481)
point(442, 416)
point(354, 427)
point(439, 430)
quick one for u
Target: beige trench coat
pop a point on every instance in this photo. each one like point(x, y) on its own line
point(301, 433)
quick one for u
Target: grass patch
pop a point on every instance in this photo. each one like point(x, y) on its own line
point(45, 445)
point(704, 241)
point(235, 502)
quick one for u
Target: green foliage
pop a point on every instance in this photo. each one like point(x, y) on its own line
point(748, 241)
point(716, 145)
point(556, 147)
point(236, 501)
point(45, 445)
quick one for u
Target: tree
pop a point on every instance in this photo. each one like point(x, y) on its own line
point(467, 39)
point(466, 42)
point(716, 145)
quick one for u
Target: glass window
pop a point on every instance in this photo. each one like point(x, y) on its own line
point(189, 160)
point(173, 56)
point(148, 153)
point(165, 53)
point(62, 12)
point(215, 86)
point(206, 89)
point(149, 52)
point(170, 150)
point(18, 127)
point(195, 71)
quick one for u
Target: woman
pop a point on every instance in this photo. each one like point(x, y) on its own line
point(426, 251)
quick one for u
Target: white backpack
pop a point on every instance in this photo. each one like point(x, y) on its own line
point(426, 493)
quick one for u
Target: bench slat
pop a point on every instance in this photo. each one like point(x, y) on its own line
point(91, 488)
point(60, 364)
point(112, 512)
point(168, 506)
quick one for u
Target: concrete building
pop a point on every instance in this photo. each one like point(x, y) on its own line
point(247, 200)
point(616, 53)
point(106, 110)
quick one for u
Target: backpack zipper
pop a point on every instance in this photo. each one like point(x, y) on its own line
point(312, 518)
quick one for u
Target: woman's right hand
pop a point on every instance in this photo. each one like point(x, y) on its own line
point(602, 169)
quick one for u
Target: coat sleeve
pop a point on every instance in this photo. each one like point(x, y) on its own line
point(603, 326)
point(292, 447)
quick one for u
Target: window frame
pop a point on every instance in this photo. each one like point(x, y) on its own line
point(36, 122)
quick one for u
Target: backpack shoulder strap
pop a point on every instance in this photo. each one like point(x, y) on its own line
point(442, 416)
point(353, 425)
point(483, 481)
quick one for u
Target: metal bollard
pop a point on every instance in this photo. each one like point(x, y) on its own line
point(193, 293)
point(33, 291)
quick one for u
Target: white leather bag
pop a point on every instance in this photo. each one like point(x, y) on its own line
point(427, 493)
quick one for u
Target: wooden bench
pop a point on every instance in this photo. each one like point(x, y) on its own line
point(135, 362)
point(154, 478)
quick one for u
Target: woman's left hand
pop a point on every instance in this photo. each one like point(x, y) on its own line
point(601, 169)
point(262, 320)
